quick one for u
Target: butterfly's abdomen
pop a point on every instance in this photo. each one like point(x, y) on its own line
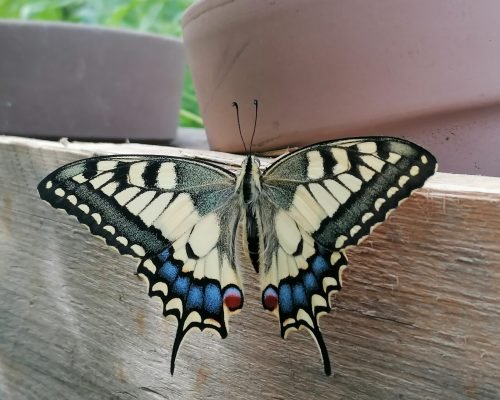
point(252, 238)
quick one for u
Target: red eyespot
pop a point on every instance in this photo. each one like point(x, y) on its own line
point(270, 298)
point(233, 298)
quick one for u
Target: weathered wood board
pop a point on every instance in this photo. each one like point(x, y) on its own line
point(418, 318)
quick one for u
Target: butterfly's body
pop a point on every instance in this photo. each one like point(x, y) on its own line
point(188, 222)
point(248, 188)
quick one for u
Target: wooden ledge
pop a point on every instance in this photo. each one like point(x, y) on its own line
point(419, 315)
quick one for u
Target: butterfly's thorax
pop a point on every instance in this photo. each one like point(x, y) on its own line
point(248, 184)
point(248, 189)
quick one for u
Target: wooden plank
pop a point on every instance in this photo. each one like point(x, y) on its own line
point(419, 315)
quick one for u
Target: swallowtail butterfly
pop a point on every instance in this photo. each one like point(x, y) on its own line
point(188, 222)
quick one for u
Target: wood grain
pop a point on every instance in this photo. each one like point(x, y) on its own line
point(418, 318)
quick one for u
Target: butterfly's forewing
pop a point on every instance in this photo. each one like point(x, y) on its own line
point(177, 215)
point(322, 199)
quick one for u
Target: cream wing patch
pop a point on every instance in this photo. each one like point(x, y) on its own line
point(180, 211)
point(126, 195)
point(305, 205)
point(341, 159)
point(140, 202)
point(167, 177)
point(315, 168)
point(154, 209)
point(287, 232)
point(136, 173)
point(205, 235)
point(324, 198)
point(339, 192)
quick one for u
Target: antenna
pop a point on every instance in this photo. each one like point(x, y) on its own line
point(235, 105)
point(256, 103)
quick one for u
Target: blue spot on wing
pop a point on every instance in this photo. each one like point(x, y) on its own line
point(285, 298)
point(299, 295)
point(168, 271)
point(181, 286)
point(319, 266)
point(213, 299)
point(195, 297)
point(310, 283)
point(164, 255)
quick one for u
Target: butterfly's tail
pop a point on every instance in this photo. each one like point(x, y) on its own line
point(177, 344)
point(318, 337)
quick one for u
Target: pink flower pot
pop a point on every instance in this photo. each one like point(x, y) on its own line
point(423, 70)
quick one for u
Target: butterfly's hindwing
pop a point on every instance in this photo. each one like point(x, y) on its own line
point(323, 199)
point(175, 214)
point(196, 277)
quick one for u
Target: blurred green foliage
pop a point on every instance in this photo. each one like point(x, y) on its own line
point(156, 16)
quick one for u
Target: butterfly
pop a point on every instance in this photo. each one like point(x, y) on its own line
point(194, 224)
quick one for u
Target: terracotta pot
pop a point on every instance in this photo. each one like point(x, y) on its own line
point(86, 82)
point(424, 70)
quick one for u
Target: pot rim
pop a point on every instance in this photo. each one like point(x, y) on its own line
point(58, 25)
